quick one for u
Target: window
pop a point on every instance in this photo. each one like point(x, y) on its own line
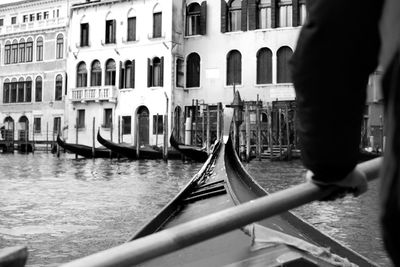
point(7, 53)
point(107, 121)
point(264, 14)
point(285, 13)
point(14, 52)
point(132, 29)
point(32, 17)
point(157, 17)
point(38, 16)
point(193, 19)
point(81, 75)
point(264, 66)
point(60, 46)
point(57, 125)
point(58, 92)
point(39, 49)
point(95, 75)
point(283, 56)
point(37, 125)
point(21, 50)
point(25, 18)
point(29, 50)
point(1, 22)
point(38, 89)
point(128, 74)
point(13, 97)
point(158, 124)
point(126, 124)
point(155, 72)
point(193, 70)
point(179, 73)
point(13, 20)
point(84, 34)
point(234, 68)
point(28, 90)
point(110, 72)
point(46, 14)
point(6, 91)
point(110, 31)
point(81, 118)
point(235, 16)
point(21, 91)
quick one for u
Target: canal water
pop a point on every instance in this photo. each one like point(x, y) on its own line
point(63, 208)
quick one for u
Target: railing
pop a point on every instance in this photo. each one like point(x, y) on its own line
point(103, 93)
point(30, 25)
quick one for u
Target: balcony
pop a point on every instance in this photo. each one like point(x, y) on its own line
point(96, 94)
point(34, 25)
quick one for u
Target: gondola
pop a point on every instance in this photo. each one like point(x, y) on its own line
point(129, 151)
point(222, 183)
point(193, 152)
point(85, 151)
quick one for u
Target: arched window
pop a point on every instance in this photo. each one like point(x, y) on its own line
point(39, 49)
point(21, 46)
point(157, 21)
point(81, 75)
point(235, 16)
point(13, 97)
point(28, 89)
point(283, 55)
point(111, 28)
point(264, 66)
point(7, 53)
point(234, 68)
point(29, 50)
point(264, 14)
point(193, 70)
point(155, 72)
point(60, 46)
point(131, 34)
point(14, 52)
point(6, 91)
point(193, 19)
point(95, 74)
point(110, 72)
point(21, 90)
point(58, 91)
point(285, 13)
point(38, 89)
point(128, 74)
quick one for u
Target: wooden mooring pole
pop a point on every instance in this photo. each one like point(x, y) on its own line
point(157, 129)
point(208, 134)
point(47, 137)
point(258, 129)
point(248, 131)
point(94, 138)
point(76, 134)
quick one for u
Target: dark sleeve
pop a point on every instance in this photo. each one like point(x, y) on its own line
point(336, 51)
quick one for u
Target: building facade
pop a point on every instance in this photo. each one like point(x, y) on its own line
point(33, 37)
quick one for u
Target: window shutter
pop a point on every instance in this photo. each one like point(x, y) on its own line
point(274, 13)
point(295, 13)
point(252, 10)
point(162, 71)
point(149, 74)
point(244, 15)
point(203, 18)
point(121, 76)
point(133, 73)
point(114, 31)
point(224, 16)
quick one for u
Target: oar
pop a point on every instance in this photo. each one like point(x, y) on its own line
point(207, 227)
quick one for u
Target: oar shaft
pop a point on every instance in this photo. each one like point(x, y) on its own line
point(207, 227)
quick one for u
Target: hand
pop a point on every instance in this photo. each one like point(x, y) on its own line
point(355, 182)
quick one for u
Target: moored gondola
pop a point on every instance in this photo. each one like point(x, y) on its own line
point(130, 151)
point(85, 151)
point(192, 152)
point(282, 240)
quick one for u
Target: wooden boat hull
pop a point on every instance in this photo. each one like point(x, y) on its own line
point(192, 152)
point(222, 183)
point(85, 151)
point(130, 151)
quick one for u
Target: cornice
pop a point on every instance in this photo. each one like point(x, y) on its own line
point(96, 3)
point(26, 3)
point(32, 32)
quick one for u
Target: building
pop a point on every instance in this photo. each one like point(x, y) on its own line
point(33, 37)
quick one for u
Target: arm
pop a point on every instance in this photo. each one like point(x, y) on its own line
point(336, 51)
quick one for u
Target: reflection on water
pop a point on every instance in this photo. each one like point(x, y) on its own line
point(64, 208)
point(351, 221)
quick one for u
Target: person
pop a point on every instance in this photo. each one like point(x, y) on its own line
point(339, 46)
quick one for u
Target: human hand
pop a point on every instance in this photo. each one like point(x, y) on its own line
point(355, 182)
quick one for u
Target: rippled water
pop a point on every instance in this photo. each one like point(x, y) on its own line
point(63, 208)
point(351, 221)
